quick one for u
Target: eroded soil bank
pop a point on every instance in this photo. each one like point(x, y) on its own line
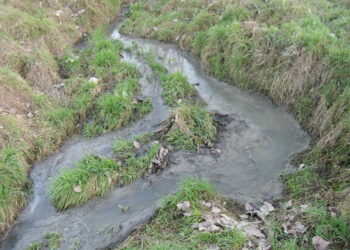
point(254, 149)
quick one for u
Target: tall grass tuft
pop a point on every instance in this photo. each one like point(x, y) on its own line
point(191, 126)
point(95, 176)
point(176, 87)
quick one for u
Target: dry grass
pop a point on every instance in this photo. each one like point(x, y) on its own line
point(33, 35)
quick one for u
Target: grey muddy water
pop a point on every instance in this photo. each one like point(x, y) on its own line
point(256, 147)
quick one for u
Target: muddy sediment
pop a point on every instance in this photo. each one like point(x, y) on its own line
point(253, 148)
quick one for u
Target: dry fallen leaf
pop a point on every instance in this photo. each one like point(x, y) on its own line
point(77, 189)
point(319, 243)
point(184, 206)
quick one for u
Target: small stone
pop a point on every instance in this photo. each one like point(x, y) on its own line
point(302, 166)
point(319, 243)
point(30, 115)
point(137, 145)
point(215, 210)
point(268, 206)
point(249, 207)
point(244, 216)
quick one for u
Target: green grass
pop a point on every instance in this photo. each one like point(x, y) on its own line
point(95, 176)
point(191, 126)
point(176, 87)
point(51, 241)
point(13, 171)
point(116, 110)
point(136, 164)
point(168, 230)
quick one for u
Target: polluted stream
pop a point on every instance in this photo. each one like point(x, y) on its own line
point(252, 151)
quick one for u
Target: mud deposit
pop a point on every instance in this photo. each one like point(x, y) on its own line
point(255, 146)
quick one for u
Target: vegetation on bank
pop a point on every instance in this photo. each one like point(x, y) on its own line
point(95, 175)
point(297, 53)
point(35, 113)
point(294, 51)
point(170, 230)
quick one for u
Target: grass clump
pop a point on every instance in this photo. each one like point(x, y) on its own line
point(13, 172)
point(95, 176)
point(168, 230)
point(190, 126)
point(118, 109)
point(176, 87)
